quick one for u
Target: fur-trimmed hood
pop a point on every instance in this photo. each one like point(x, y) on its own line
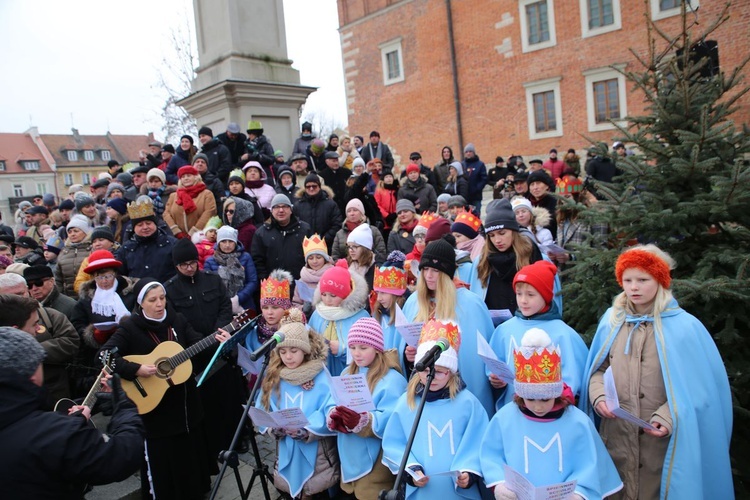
point(324, 190)
point(357, 299)
point(541, 216)
point(124, 287)
point(318, 347)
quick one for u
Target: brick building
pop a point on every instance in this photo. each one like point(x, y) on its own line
point(530, 75)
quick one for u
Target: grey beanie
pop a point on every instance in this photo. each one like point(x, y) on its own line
point(125, 178)
point(115, 185)
point(200, 156)
point(470, 147)
point(83, 201)
point(280, 199)
point(19, 351)
point(443, 198)
point(404, 204)
point(457, 201)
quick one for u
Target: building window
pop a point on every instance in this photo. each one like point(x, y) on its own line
point(605, 97)
point(72, 155)
point(2, 166)
point(106, 156)
point(30, 165)
point(393, 62)
point(544, 108)
point(68, 179)
point(599, 16)
point(41, 188)
point(537, 24)
point(86, 179)
point(17, 190)
point(88, 155)
point(661, 9)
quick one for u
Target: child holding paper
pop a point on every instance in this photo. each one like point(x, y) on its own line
point(534, 285)
point(360, 434)
point(274, 301)
point(668, 372)
point(307, 460)
point(340, 300)
point(317, 262)
point(541, 436)
point(389, 290)
point(452, 425)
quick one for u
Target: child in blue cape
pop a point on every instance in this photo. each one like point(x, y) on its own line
point(452, 425)
point(274, 301)
point(668, 372)
point(541, 436)
point(359, 435)
point(534, 287)
point(389, 289)
point(339, 301)
point(307, 459)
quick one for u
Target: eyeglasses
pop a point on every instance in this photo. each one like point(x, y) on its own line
point(353, 247)
point(439, 373)
point(281, 207)
point(105, 277)
point(312, 186)
point(230, 211)
point(188, 265)
point(419, 236)
point(37, 283)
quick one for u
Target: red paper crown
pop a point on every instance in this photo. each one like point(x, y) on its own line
point(390, 279)
point(271, 288)
point(435, 330)
point(569, 184)
point(538, 365)
point(469, 219)
point(426, 219)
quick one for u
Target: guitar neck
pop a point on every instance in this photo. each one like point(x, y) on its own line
point(90, 399)
point(202, 345)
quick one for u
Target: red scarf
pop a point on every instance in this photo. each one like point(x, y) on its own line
point(409, 227)
point(185, 196)
point(350, 226)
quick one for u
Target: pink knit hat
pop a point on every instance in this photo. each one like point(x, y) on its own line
point(337, 280)
point(367, 331)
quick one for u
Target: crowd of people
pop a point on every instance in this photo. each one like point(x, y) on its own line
point(338, 248)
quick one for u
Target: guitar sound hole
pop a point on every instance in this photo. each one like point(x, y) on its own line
point(163, 368)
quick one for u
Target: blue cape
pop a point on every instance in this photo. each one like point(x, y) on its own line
point(697, 464)
point(472, 316)
point(337, 363)
point(546, 453)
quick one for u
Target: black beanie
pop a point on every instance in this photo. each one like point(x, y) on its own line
point(313, 177)
point(439, 255)
point(206, 131)
point(189, 138)
point(103, 232)
point(501, 216)
point(184, 251)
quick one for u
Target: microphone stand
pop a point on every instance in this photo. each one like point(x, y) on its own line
point(229, 458)
point(399, 487)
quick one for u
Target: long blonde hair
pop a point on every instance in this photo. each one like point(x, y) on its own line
point(376, 371)
point(378, 315)
point(454, 387)
point(444, 306)
point(522, 248)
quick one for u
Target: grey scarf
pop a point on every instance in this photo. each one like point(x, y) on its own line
point(231, 271)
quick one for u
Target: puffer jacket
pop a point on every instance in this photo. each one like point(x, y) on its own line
point(419, 190)
point(202, 299)
point(320, 212)
point(291, 191)
point(263, 194)
point(476, 173)
point(245, 294)
point(68, 262)
point(181, 222)
point(150, 256)
point(339, 250)
point(261, 151)
point(276, 247)
point(219, 159)
point(244, 220)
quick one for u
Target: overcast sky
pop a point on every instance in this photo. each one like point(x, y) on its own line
point(93, 64)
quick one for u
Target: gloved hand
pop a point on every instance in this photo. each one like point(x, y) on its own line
point(278, 432)
point(299, 434)
point(503, 493)
point(236, 307)
point(182, 235)
point(353, 421)
point(334, 422)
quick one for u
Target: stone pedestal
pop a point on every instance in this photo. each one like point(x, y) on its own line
point(244, 72)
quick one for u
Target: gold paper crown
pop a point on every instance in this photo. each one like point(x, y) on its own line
point(389, 279)
point(469, 219)
point(314, 244)
point(540, 365)
point(140, 210)
point(271, 288)
point(426, 219)
point(435, 330)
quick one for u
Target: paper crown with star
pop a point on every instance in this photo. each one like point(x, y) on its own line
point(538, 366)
point(274, 290)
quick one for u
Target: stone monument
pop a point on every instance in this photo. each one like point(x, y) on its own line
point(244, 72)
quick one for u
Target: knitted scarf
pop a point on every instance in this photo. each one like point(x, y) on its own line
point(255, 184)
point(264, 330)
point(185, 196)
point(303, 373)
point(351, 226)
point(231, 271)
point(155, 195)
point(108, 303)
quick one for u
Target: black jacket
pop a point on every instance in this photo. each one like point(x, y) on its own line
point(385, 156)
point(261, 150)
point(236, 147)
point(336, 180)
point(45, 455)
point(150, 256)
point(358, 190)
point(202, 299)
point(276, 247)
point(219, 159)
point(320, 212)
point(420, 190)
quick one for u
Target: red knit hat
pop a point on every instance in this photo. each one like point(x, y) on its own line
point(187, 169)
point(413, 167)
point(337, 280)
point(367, 331)
point(437, 229)
point(540, 275)
point(645, 260)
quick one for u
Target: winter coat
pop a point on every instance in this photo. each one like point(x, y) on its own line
point(60, 342)
point(359, 190)
point(386, 200)
point(202, 299)
point(46, 455)
point(459, 187)
point(386, 157)
point(476, 172)
point(236, 147)
point(573, 165)
point(554, 167)
point(549, 203)
point(150, 256)
point(601, 168)
point(261, 151)
point(320, 212)
point(301, 144)
point(219, 159)
point(400, 240)
point(245, 294)
point(164, 197)
point(420, 190)
point(279, 247)
point(265, 193)
point(336, 180)
point(292, 190)
point(68, 262)
point(179, 159)
point(346, 158)
point(59, 302)
point(315, 163)
point(339, 249)
point(181, 222)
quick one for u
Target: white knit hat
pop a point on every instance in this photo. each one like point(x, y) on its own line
point(361, 235)
point(521, 202)
point(81, 222)
point(226, 233)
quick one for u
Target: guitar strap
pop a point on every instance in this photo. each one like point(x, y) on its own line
point(171, 335)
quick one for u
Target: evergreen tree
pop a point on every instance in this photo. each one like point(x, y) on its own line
point(686, 189)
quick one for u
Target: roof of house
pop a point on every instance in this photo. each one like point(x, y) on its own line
point(15, 148)
point(123, 148)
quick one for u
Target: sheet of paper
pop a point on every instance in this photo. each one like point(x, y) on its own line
point(288, 418)
point(409, 331)
point(452, 473)
point(500, 314)
point(552, 248)
point(522, 487)
point(395, 466)
point(352, 391)
point(613, 402)
point(304, 291)
point(497, 367)
point(106, 326)
point(248, 365)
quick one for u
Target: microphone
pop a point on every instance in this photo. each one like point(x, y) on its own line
point(277, 338)
point(432, 355)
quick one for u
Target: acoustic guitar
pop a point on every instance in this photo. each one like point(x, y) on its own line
point(108, 365)
point(173, 367)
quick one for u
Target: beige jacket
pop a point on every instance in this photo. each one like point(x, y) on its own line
point(180, 222)
point(640, 388)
